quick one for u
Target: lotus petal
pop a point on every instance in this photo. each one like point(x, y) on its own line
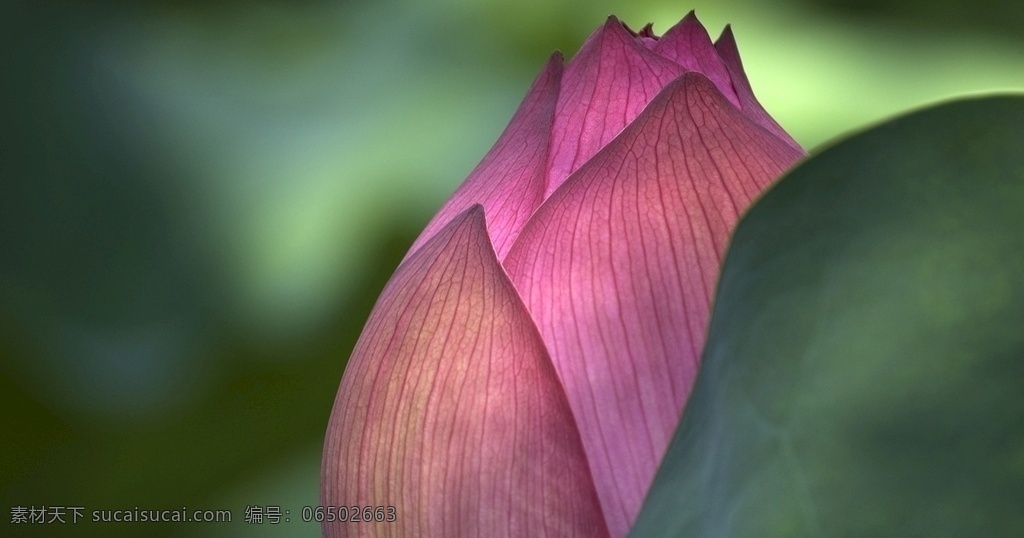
point(604, 87)
point(619, 265)
point(689, 45)
point(450, 410)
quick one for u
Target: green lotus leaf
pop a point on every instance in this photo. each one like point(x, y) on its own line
point(864, 371)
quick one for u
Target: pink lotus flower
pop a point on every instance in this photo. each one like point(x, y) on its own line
point(524, 369)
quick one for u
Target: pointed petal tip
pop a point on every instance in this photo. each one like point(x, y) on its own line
point(615, 24)
point(726, 37)
point(552, 67)
point(475, 212)
point(691, 20)
point(619, 28)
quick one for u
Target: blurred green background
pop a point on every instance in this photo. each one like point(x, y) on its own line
point(199, 202)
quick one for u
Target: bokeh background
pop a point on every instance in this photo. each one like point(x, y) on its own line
point(200, 200)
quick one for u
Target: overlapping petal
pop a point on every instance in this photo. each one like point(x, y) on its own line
point(450, 409)
point(509, 181)
point(689, 45)
point(604, 87)
point(618, 268)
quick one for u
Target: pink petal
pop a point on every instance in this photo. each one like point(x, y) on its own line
point(688, 44)
point(450, 410)
point(618, 268)
point(730, 54)
point(604, 87)
point(509, 181)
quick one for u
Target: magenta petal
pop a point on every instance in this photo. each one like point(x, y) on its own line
point(604, 87)
point(450, 410)
point(619, 265)
point(509, 181)
point(688, 44)
point(730, 54)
